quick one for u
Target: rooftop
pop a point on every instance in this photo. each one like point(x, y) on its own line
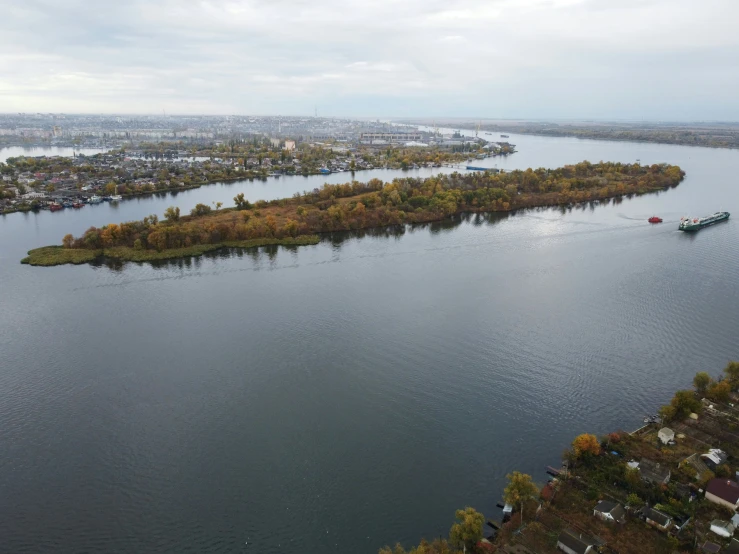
point(725, 489)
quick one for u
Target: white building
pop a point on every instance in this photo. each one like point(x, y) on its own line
point(722, 528)
point(666, 435)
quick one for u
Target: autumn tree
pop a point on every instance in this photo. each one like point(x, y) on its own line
point(467, 531)
point(68, 241)
point(439, 546)
point(200, 209)
point(701, 381)
point(520, 488)
point(172, 214)
point(585, 444)
point(719, 392)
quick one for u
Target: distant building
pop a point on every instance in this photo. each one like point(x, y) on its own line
point(666, 435)
point(696, 462)
point(724, 492)
point(573, 543)
point(289, 145)
point(610, 512)
point(658, 519)
point(714, 458)
point(389, 137)
point(722, 528)
point(733, 547)
point(654, 472)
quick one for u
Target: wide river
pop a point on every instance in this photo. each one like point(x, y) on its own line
point(338, 397)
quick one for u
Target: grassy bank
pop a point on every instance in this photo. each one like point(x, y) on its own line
point(57, 255)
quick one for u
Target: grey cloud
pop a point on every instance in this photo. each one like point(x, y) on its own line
point(486, 58)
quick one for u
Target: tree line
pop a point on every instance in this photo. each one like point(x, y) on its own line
point(375, 203)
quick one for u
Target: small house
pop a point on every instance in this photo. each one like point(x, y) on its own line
point(714, 458)
point(666, 435)
point(724, 492)
point(574, 543)
point(654, 472)
point(722, 528)
point(710, 547)
point(610, 512)
point(697, 463)
point(658, 519)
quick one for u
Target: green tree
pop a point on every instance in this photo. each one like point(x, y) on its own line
point(241, 202)
point(520, 489)
point(633, 500)
point(172, 214)
point(467, 531)
point(732, 373)
point(682, 404)
point(200, 209)
point(701, 381)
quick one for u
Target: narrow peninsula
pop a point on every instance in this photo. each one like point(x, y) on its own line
point(300, 219)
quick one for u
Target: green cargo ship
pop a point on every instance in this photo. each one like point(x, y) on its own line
point(696, 223)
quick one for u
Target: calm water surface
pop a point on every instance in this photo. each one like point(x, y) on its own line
point(13, 151)
point(337, 397)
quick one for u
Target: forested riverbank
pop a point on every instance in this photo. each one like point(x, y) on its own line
point(356, 205)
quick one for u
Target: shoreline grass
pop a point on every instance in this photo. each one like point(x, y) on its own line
point(48, 256)
point(58, 255)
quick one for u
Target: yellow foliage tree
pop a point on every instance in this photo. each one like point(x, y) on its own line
point(586, 444)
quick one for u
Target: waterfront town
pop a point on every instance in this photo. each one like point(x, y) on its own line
point(670, 486)
point(143, 157)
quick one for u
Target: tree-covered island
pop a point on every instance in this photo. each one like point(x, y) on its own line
point(354, 205)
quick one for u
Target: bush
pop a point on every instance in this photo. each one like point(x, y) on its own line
point(200, 209)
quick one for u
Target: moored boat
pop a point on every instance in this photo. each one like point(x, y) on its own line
point(655, 219)
point(78, 205)
point(94, 199)
point(54, 207)
point(696, 223)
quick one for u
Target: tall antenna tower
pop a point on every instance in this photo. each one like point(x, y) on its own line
point(316, 111)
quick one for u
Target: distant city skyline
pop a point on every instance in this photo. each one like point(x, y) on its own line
point(666, 60)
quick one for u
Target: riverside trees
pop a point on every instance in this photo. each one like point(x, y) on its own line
point(358, 205)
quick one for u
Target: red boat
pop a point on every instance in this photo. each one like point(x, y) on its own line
point(78, 205)
point(55, 207)
point(655, 219)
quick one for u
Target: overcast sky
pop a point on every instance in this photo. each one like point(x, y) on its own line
point(628, 59)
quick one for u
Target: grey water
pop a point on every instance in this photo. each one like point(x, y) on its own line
point(34, 151)
point(339, 397)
